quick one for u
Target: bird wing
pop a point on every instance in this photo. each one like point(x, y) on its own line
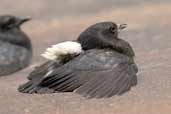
point(95, 73)
point(107, 83)
point(41, 70)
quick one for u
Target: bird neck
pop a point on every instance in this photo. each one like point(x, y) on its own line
point(114, 43)
point(124, 48)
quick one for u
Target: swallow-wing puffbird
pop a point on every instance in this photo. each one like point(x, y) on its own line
point(15, 46)
point(97, 65)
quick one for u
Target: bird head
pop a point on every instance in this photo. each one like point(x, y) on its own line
point(10, 31)
point(100, 35)
point(8, 22)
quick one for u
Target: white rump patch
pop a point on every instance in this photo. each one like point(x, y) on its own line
point(64, 48)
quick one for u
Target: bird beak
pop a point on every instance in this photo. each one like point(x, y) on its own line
point(23, 20)
point(121, 27)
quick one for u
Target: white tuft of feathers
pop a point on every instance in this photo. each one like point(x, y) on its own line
point(64, 48)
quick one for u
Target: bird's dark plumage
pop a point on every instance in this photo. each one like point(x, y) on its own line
point(105, 68)
point(15, 46)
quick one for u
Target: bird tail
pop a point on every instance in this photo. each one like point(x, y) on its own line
point(36, 76)
point(31, 88)
point(25, 88)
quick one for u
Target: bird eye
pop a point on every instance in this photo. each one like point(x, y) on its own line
point(112, 29)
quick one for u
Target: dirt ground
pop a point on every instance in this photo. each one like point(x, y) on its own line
point(152, 95)
point(148, 32)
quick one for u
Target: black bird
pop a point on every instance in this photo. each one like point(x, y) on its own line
point(105, 66)
point(15, 46)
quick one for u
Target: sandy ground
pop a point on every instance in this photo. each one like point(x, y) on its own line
point(148, 32)
point(152, 95)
